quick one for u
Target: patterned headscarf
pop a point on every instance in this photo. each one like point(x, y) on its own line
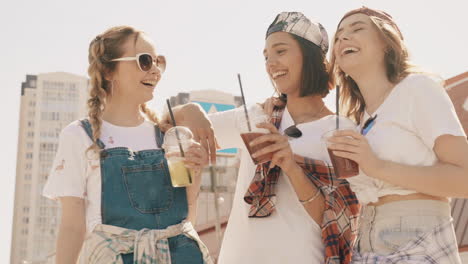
point(297, 24)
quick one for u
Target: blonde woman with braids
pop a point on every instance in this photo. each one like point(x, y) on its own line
point(412, 150)
point(110, 174)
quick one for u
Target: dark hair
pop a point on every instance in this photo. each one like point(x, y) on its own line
point(315, 76)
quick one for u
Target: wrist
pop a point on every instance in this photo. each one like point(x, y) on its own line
point(291, 168)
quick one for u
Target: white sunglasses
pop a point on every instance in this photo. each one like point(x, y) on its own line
point(145, 61)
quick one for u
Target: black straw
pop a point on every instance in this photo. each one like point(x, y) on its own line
point(174, 124)
point(337, 107)
point(245, 106)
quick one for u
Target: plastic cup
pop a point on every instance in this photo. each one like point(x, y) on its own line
point(256, 116)
point(343, 167)
point(181, 176)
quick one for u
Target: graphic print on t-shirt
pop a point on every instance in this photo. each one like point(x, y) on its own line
point(61, 166)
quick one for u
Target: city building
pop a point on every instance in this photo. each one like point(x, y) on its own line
point(48, 103)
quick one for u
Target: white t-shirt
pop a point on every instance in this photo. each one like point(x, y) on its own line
point(76, 174)
point(289, 235)
point(415, 113)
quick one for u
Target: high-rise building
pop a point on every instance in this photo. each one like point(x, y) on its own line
point(49, 102)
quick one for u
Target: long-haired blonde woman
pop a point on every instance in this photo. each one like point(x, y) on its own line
point(110, 173)
point(412, 150)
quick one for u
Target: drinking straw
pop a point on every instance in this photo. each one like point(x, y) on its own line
point(245, 106)
point(337, 107)
point(177, 131)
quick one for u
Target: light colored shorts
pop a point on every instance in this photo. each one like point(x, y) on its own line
point(415, 231)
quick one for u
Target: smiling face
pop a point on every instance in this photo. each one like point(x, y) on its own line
point(283, 61)
point(129, 81)
point(358, 44)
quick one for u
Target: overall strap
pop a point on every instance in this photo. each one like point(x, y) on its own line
point(159, 136)
point(89, 131)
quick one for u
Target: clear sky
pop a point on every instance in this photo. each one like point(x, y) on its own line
point(205, 42)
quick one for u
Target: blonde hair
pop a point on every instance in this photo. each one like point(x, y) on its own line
point(397, 66)
point(102, 50)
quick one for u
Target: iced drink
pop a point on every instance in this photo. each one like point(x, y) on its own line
point(180, 175)
point(174, 139)
point(249, 131)
point(247, 138)
point(344, 168)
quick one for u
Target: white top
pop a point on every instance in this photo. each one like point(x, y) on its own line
point(76, 174)
point(415, 113)
point(289, 235)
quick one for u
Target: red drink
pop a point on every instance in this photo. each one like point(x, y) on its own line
point(248, 137)
point(344, 168)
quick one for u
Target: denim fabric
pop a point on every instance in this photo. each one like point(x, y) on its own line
point(137, 193)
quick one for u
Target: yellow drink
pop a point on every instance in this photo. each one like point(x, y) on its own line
point(180, 175)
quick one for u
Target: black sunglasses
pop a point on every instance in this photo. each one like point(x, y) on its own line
point(293, 132)
point(368, 125)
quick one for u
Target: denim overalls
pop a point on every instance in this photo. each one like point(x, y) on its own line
point(137, 193)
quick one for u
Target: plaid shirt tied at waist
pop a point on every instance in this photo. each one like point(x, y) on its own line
point(341, 215)
point(149, 246)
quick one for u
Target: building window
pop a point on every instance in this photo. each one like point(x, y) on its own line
point(24, 231)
